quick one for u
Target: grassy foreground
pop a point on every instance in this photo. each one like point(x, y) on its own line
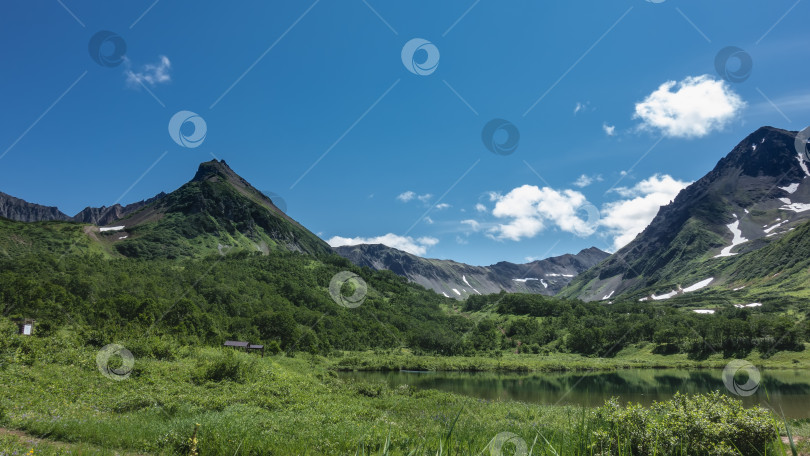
point(242, 404)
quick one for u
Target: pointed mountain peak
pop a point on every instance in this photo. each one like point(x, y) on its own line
point(214, 168)
point(768, 151)
point(754, 196)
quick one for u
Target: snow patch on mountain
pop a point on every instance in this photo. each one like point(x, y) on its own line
point(795, 207)
point(665, 295)
point(791, 188)
point(738, 239)
point(698, 285)
point(771, 228)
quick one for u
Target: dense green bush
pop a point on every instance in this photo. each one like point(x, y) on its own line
point(225, 365)
point(707, 424)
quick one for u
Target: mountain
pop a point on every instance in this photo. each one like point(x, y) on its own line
point(459, 280)
point(217, 211)
point(22, 211)
point(105, 215)
point(754, 196)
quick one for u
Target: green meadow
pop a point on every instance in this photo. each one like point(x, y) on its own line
point(217, 401)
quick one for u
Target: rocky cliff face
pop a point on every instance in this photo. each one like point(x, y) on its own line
point(106, 215)
point(23, 211)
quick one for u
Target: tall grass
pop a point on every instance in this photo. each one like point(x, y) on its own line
point(248, 405)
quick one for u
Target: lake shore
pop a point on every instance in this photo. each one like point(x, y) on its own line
point(272, 405)
point(629, 358)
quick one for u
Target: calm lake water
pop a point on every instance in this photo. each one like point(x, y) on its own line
point(784, 391)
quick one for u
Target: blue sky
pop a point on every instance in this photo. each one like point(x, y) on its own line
point(604, 136)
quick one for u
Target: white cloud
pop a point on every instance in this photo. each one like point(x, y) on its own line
point(585, 180)
point(530, 210)
point(579, 107)
point(624, 219)
point(409, 196)
point(480, 207)
point(691, 108)
point(406, 196)
point(609, 130)
point(406, 243)
point(151, 73)
point(441, 206)
point(428, 220)
point(427, 241)
point(474, 225)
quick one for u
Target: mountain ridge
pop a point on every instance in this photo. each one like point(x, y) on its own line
point(735, 208)
point(459, 280)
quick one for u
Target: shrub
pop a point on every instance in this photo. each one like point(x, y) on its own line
point(162, 348)
point(226, 365)
point(706, 424)
point(273, 348)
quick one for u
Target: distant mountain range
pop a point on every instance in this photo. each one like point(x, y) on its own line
point(459, 280)
point(718, 230)
point(22, 211)
point(739, 233)
point(219, 211)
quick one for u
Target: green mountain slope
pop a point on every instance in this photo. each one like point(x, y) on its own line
point(217, 211)
point(65, 276)
point(755, 195)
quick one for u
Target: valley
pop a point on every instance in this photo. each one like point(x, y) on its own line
point(719, 276)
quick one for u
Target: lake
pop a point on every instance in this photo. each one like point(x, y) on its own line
point(784, 391)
